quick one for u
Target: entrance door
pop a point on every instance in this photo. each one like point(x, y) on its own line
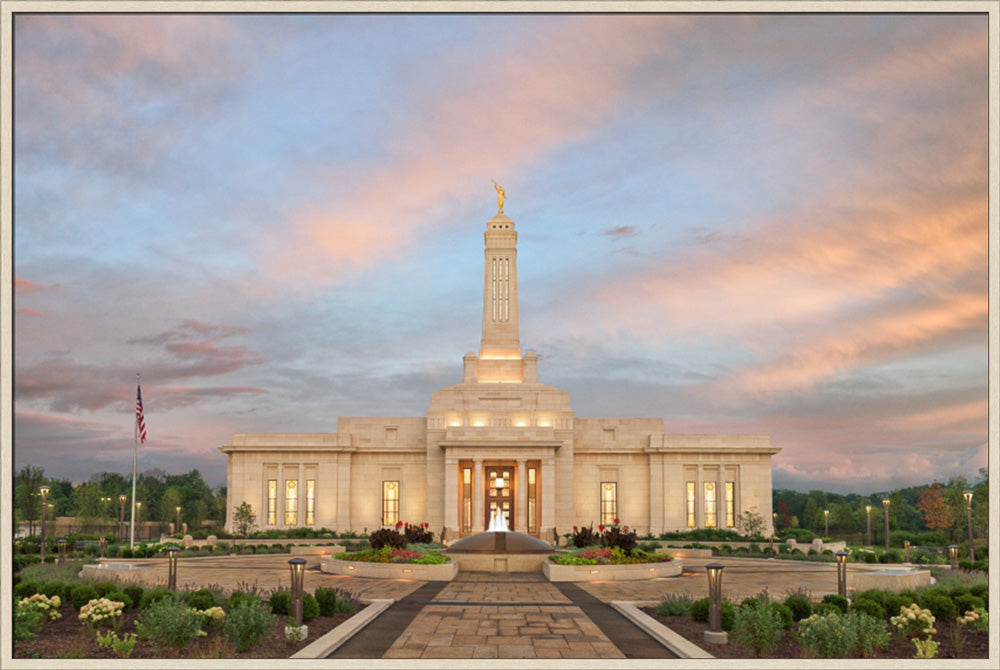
point(500, 492)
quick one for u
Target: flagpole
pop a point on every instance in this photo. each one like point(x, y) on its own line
point(135, 457)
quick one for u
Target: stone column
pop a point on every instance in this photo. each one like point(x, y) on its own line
point(521, 504)
point(451, 495)
point(656, 493)
point(548, 500)
point(344, 492)
point(477, 496)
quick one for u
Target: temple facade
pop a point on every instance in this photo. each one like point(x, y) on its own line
point(499, 440)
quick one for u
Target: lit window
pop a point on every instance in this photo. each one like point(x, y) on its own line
point(532, 499)
point(466, 500)
point(390, 503)
point(691, 522)
point(272, 501)
point(730, 504)
point(291, 502)
point(710, 513)
point(310, 502)
point(609, 502)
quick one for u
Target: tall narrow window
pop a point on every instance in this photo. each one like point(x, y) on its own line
point(272, 502)
point(500, 288)
point(532, 500)
point(730, 504)
point(691, 521)
point(466, 500)
point(310, 502)
point(390, 503)
point(609, 502)
point(291, 502)
point(710, 509)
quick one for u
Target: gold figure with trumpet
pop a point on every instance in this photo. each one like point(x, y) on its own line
point(500, 196)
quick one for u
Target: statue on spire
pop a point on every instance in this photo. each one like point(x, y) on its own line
point(500, 196)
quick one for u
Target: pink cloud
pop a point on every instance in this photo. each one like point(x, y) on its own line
point(491, 122)
point(26, 286)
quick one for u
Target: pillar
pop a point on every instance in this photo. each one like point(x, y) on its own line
point(478, 493)
point(451, 495)
point(521, 504)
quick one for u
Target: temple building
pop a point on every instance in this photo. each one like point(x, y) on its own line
point(499, 440)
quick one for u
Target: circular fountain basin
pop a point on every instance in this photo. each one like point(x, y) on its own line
point(500, 551)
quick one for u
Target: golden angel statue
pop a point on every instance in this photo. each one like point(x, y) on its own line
point(500, 196)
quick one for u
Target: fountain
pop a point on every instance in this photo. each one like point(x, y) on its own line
point(499, 549)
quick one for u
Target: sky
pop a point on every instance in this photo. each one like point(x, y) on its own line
point(741, 223)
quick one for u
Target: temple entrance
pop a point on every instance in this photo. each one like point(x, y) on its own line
point(500, 493)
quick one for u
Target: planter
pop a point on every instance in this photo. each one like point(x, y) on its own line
point(443, 572)
point(618, 573)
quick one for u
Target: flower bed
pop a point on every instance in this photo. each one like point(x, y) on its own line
point(602, 563)
point(389, 563)
point(608, 556)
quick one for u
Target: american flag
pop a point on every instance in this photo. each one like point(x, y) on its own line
point(140, 422)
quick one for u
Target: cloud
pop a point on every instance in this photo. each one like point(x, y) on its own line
point(26, 286)
point(619, 232)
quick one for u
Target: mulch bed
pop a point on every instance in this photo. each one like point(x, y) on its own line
point(67, 637)
point(977, 645)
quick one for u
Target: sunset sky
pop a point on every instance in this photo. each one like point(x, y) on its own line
point(768, 224)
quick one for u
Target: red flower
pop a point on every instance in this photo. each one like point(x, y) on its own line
point(398, 524)
point(575, 528)
point(616, 520)
point(626, 527)
point(601, 527)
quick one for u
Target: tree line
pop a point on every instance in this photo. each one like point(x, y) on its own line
point(936, 506)
point(96, 501)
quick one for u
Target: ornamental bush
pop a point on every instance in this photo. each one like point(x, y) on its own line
point(104, 588)
point(248, 623)
point(170, 622)
point(152, 596)
point(674, 605)
point(281, 602)
point(782, 610)
point(237, 598)
point(841, 602)
point(135, 592)
point(757, 627)
point(27, 589)
point(202, 599)
point(968, 602)
point(800, 605)
point(826, 635)
point(310, 607)
point(584, 537)
point(700, 611)
point(387, 537)
point(939, 603)
point(121, 597)
point(868, 605)
point(81, 594)
point(54, 589)
point(418, 534)
point(332, 602)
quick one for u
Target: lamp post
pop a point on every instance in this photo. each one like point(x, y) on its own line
point(906, 551)
point(842, 573)
point(178, 508)
point(62, 551)
point(826, 523)
point(121, 517)
point(104, 546)
point(298, 568)
point(138, 519)
point(172, 567)
point(953, 555)
point(715, 633)
point(885, 504)
point(868, 512)
point(968, 508)
point(44, 490)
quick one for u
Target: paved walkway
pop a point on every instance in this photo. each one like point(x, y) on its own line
point(486, 615)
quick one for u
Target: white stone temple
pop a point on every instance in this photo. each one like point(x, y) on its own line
point(499, 441)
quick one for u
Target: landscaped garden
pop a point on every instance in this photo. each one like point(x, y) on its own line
point(614, 544)
point(946, 620)
point(60, 615)
point(402, 544)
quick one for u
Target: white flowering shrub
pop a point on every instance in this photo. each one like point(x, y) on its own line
point(213, 616)
point(913, 621)
point(48, 606)
point(101, 611)
point(977, 620)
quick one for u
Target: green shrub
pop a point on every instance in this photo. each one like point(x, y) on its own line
point(237, 598)
point(800, 605)
point(169, 621)
point(310, 607)
point(826, 608)
point(871, 634)
point(22, 560)
point(827, 636)
point(939, 603)
point(202, 599)
point(782, 610)
point(868, 605)
point(968, 602)
point(331, 602)
point(26, 589)
point(980, 590)
point(121, 597)
point(248, 623)
point(958, 590)
point(751, 603)
point(699, 610)
point(152, 596)
point(27, 622)
point(54, 589)
point(81, 594)
point(841, 602)
point(905, 598)
point(757, 627)
point(104, 588)
point(675, 605)
point(135, 592)
point(281, 602)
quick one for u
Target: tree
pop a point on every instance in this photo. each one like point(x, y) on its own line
point(784, 515)
point(244, 520)
point(750, 522)
point(934, 504)
point(87, 503)
point(27, 499)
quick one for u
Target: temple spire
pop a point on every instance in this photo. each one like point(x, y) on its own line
point(501, 340)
